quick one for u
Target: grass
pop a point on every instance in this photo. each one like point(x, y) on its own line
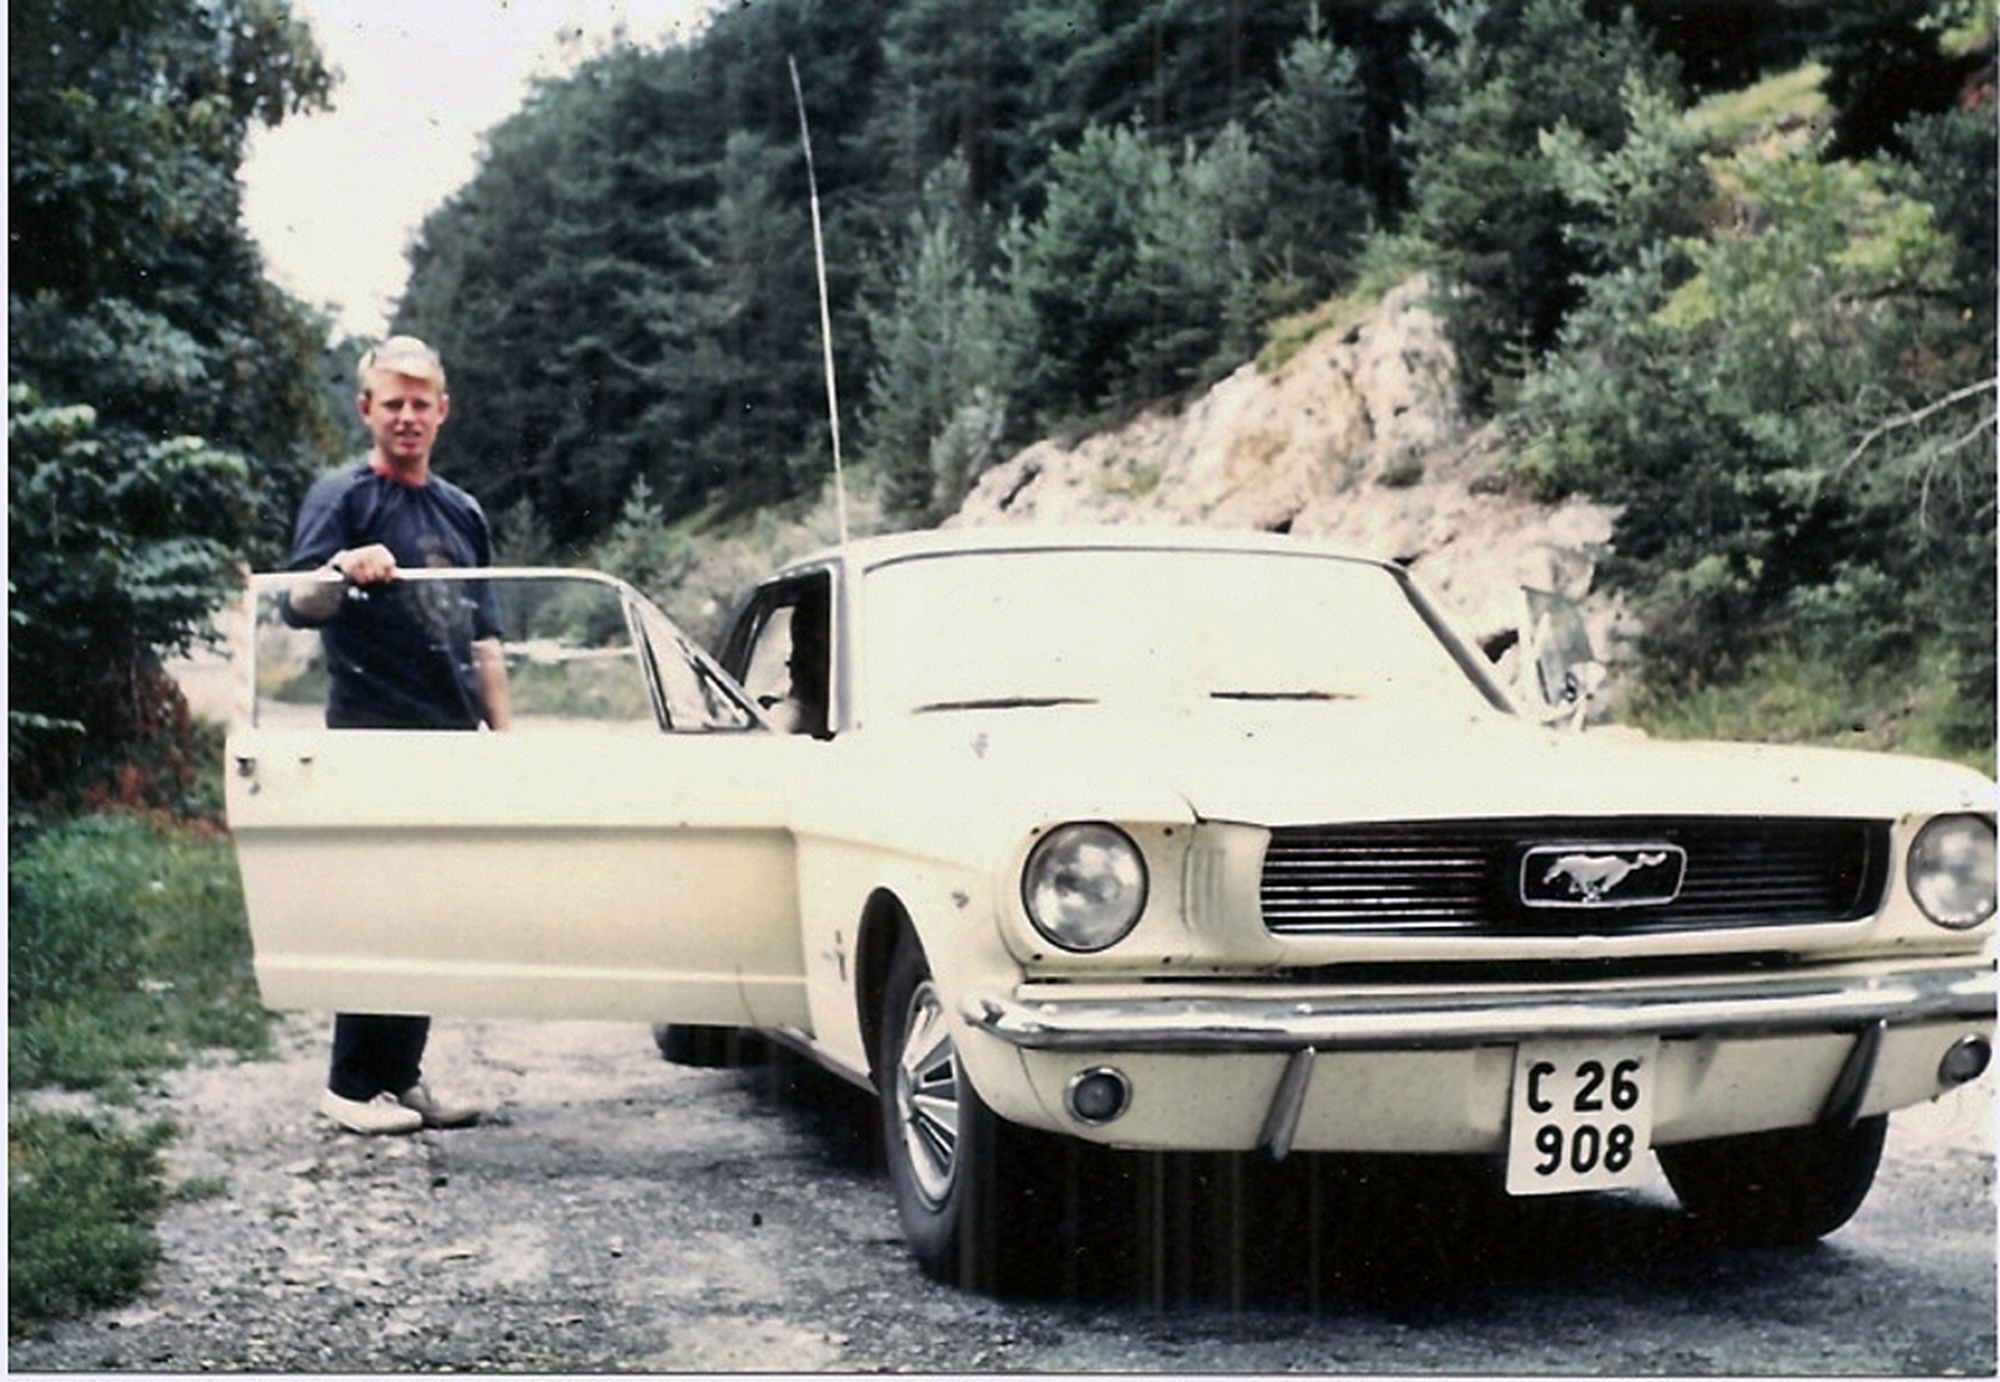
point(127, 953)
point(1287, 336)
point(1786, 101)
point(1788, 698)
point(82, 1196)
point(1387, 262)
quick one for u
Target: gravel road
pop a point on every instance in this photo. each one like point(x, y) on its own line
point(619, 1214)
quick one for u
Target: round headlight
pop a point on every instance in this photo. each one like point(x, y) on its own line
point(1085, 885)
point(1951, 871)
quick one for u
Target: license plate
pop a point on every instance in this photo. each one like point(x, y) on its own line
point(1582, 1116)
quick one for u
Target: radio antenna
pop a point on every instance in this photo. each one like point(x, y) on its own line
point(825, 311)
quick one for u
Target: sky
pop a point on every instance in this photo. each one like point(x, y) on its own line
point(334, 198)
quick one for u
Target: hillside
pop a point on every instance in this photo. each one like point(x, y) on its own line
point(1357, 437)
point(1738, 279)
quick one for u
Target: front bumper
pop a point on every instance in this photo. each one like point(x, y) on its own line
point(1430, 1070)
point(1047, 1018)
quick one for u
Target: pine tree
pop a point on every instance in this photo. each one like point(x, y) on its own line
point(1485, 197)
point(1309, 131)
point(940, 361)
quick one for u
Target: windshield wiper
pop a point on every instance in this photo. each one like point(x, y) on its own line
point(1006, 703)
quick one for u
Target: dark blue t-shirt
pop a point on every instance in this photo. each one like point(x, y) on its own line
point(400, 655)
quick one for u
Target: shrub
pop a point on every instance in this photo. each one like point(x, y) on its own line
point(122, 547)
point(1485, 195)
point(1778, 408)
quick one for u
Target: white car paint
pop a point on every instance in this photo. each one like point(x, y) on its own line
point(745, 877)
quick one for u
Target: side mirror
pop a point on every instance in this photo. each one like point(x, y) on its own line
point(1568, 674)
point(1579, 687)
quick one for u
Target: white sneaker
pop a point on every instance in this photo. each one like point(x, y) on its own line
point(437, 1112)
point(381, 1114)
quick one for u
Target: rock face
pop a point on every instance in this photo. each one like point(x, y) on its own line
point(1360, 439)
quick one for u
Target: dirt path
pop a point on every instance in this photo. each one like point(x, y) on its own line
point(621, 1214)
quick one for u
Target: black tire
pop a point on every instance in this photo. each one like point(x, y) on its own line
point(1778, 1188)
point(969, 1186)
point(708, 1048)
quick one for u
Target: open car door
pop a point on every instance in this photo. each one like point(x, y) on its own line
point(621, 851)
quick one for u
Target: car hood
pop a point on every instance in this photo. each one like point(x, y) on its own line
point(1300, 763)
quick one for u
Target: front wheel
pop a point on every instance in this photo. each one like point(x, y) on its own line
point(970, 1188)
point(1777, 1188)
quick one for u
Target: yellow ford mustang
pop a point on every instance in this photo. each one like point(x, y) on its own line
point(1165, 840)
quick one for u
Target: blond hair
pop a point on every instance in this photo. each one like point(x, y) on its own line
point(404, 355)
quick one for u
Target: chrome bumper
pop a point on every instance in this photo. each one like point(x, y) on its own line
point(1050, 1020)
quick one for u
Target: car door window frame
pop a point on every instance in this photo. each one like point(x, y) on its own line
point(651, 636)
point(651, 629)
point(811, 591)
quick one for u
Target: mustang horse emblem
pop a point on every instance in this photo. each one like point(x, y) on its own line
point(1591, 876)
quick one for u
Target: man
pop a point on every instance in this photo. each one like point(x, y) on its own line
point(410, 655)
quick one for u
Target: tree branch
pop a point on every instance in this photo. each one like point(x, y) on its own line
point(1917, 417)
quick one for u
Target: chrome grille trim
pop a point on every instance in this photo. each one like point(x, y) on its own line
point(1457, 877)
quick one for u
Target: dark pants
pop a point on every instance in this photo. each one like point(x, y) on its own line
point(373, 1053)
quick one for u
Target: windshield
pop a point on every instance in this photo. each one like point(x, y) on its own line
point(1002, 629)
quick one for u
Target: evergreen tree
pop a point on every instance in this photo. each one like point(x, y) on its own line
point(626, 290)
point(1645, 193)
point(1953, 161)
point(1181, 68)
point(1139, 271)
point(561, 285)
point(1073, 272)
point(771, 386)
point(953, 90)
point(1885, 64)
point(1769, 413)
point(1310, 133)
point(1201, 223)
point(1485, 198)
point(940, 362)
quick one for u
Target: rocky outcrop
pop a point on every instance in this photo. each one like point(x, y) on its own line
point(1359, 438)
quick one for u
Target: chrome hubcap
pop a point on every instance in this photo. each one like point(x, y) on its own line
point(927, 1094)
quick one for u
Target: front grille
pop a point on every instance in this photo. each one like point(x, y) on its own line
point(1463, 877)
